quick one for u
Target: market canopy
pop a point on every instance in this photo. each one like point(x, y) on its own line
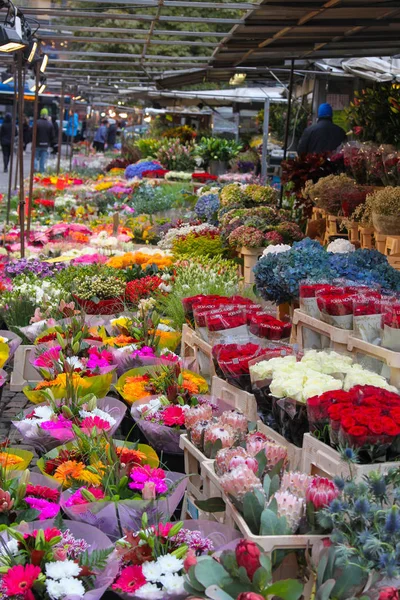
point(240, 95)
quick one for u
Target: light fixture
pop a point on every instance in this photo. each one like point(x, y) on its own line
point(147, 119)
point(7, 77)
point(10, 41)
point(103, 114)
point(15, 31)
point(44, 63)
point(30, 50)
point(123, 115)
point(42, 87)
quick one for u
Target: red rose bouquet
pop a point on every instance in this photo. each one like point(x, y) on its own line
point(391, 324)
point(336, 307)
point(368, 317)
point(263, 325)
point(232, 362)
point(228, 322)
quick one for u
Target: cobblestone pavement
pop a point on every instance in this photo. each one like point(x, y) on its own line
point(11, 404)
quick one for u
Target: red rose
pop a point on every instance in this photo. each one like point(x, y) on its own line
point(389, 593)
point(173, 415)
point(248, 556)
point(251, 596)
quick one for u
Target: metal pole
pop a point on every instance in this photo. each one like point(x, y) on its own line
point(60, 129)
point(287, 124)
point(13, 130)
point(21, 155)
point(264, 165)
point(72, 135)
point(34, 134)
point(289, 107)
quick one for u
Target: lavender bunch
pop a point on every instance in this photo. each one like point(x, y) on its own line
point(24, 266)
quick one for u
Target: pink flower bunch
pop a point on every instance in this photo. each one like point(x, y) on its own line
point(89, 423)
point(99, 359)
point(90, 259)
point(146, 351)
point(78, 499)
point(60, 428)
point(149, 480)
point(47, 359)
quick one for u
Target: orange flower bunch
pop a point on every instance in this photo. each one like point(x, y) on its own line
point(135, 388)
point(8, 460)
point(79, 237)
point(121, 262)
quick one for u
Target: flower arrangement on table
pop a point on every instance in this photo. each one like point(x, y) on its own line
point(27, 497)
point(137, 169)
point(44, 562)
point(365, 418)
point(153, 560)
point(286, 384)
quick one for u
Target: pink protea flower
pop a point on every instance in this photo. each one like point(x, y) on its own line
point(255, 442)
point(275, 453)
point(321, 492)
point(291, 507)
point(296, 483)
point(196, 434)
point(215, 432)
point(236, 419)
point(230, 458)
point(201, 412)
point(47, 359)
point(89, 423)
point(239, 481)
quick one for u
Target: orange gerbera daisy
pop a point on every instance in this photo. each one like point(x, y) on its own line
point(69, 470)
point(197, 380)
point(135, 388)
point(8, 460)
point(127, 455)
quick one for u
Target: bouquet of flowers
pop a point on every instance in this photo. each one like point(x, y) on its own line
point(100, 294)
point(265, 326)
point(58, 420)
point(118, 486)
point(232, 362)
point(27, 497)
point(368, 317)
point(391, 325)
point(336, 307)
point(153, 559)
point(41, 561)
point(144, 382)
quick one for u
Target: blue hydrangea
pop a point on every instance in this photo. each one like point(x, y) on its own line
point(137, 169)
point(207, 207)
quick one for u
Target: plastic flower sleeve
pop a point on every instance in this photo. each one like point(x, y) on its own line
point(97, 540)
point(113, 518)
point(99, 385)
point(260, 371)
point(226, 323)
point(232, 362)
point(308, 304)
point(368, 318)
point(336, 307)
point(201, 310)
point(162, 438)
point(267, 327)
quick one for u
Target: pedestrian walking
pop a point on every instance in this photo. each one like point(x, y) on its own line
point(5, 139)
point(100, 137)
point(44, 140)
point(323, 136)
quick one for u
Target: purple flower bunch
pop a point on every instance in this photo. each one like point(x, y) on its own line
point(25, 266)
point(137, 169)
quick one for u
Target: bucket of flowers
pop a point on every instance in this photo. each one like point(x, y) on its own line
point(121, 490)
point(56, 559)
point(154, 559)
point(101, 294)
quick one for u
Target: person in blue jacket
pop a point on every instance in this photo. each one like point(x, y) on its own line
point(73, 118)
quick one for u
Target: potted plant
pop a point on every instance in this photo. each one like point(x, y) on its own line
point(217, 152)
point(384, 208)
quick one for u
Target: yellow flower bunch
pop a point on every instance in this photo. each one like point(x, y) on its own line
point(192, 380)
point(10, 461)
point(121, 262)
point(105, 185)
point(135, 388)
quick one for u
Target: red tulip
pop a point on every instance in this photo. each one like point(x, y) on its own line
point(248, 556)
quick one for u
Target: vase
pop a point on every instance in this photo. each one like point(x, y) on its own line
point(386, 224)
point(250, 258)
point(218, 167)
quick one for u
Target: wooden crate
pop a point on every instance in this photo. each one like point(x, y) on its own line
point(294, 453)
point(235, 397)
point(380, 241)
point(197, 352)
point(366, 237)
point(191, 511)
point(320, 459)
point(338, 337)
point(23, 372)
point(193, 459)
point(388, 357)
point(269, 543)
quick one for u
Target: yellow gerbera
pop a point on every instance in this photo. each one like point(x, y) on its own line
point(69, 470)
point(90, 478)
point(8, 460)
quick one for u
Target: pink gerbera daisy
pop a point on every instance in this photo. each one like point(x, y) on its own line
point(47, 510)
point(48, 358)
point(19, 580)
point(130, 580)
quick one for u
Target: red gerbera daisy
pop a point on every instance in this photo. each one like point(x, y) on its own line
point(40, 491)
point(130, 580)
point(19, 579)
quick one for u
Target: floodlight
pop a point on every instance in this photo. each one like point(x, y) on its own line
point(10, 40)
point(30, 50)
point(44, 63)
point(7, 77)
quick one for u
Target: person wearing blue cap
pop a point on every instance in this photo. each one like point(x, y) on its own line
point(323, 136)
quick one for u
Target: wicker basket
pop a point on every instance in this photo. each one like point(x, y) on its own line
point(386, 224)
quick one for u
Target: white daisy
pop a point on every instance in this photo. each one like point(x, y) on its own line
point(43, 412)
point(53, 589)
point(151, 571)
point(173, 583)
point(71, 587)
point(149, 591)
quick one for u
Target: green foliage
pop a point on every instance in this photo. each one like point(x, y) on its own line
point(69, 278)
point(217, 149)
point(201, 245)
point(374, 114)
point(175, 156)
point(148, 147)
point(299, 116)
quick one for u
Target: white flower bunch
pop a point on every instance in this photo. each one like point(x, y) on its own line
point(64, 201)
point(163, 578)
point(61, 582)
point(177, 232)
point(276, 249)
point(181, 175)
point(29, 427)
point(44, 294)
point(97, 412)
point(340, 246)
